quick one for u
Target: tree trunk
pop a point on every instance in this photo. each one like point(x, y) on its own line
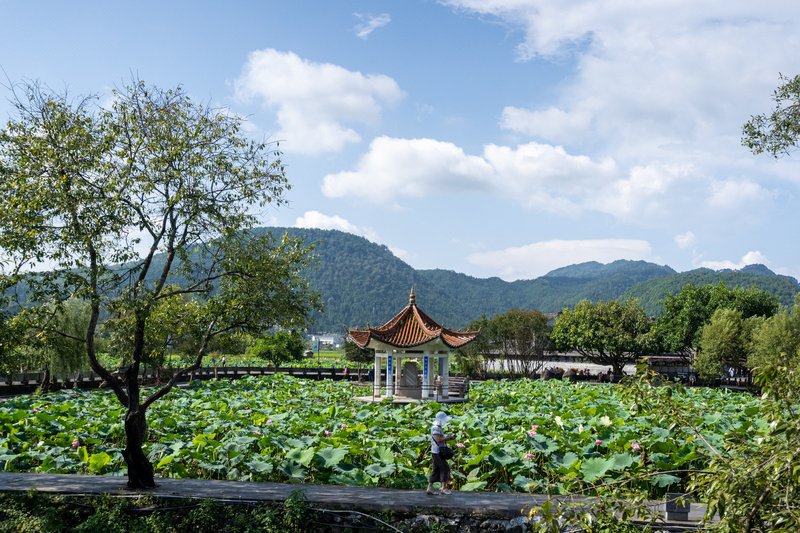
point(618, 370)
point(140, 471)
point(44, 386)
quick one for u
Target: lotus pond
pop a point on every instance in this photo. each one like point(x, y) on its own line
point(538, 436)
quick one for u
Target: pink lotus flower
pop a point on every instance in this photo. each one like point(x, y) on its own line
point(270, 421)
point(528, 456)
point(598, 442)
point(76, 443)
point(459, 445)
point(531, 433)
point(342, 426)
point(534, 426)
point(635, 446)
point(328, 433)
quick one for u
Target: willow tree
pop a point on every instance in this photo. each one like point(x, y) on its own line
point(145, 201)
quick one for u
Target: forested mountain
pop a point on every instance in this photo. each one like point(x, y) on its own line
point(651, 293)
point(364, 283)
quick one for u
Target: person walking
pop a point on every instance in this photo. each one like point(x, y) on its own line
point(441, 470)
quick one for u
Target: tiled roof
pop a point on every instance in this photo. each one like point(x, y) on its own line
point(411, 327)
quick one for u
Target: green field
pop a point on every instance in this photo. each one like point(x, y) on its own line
point(538, 436)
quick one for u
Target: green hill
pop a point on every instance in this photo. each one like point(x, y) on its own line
point(651, 293)
point(364, 283)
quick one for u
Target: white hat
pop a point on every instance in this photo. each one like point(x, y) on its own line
point(443, 418)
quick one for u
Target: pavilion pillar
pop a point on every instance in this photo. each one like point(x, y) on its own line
point(398, 370)
point(427, 375)
point(446, 377)
point(389, 375)
point(376, 377)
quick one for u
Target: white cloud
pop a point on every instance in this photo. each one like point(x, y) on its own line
point(317, 105)
point(369, 23)
point(315, 219)
point(534, 260)
point(529, 169)
point(550, 123)
point(409, 168)
point(684, 240)
point(750, 258)
point(400, 253)
point(535, 174)
point(731, 194)
point(644, 190)
point(651, 78)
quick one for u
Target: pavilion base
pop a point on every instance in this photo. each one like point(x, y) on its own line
point(400, 400)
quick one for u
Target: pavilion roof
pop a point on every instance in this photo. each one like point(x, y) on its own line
point(409, 328)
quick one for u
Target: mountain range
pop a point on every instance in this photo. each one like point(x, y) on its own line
point(363, 283)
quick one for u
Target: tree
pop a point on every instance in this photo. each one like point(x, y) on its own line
point(359, 356)
point(724, 343)
point(776, 342)
point(477, 358)
point(280, 347)
point(607, 333)
point(123, 201)
point(779, 132)
point(685, 313)
point(521, 337)
point(169, 323)
point(52, 338)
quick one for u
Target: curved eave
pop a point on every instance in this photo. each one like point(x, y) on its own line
point(450, 339)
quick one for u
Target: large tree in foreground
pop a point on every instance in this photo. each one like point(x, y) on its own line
point(165, 186)
point(607, 333)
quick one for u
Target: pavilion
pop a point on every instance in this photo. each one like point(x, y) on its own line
point(411, 337)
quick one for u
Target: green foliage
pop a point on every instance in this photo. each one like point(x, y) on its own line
point(776, 342)
point(518, 338)
point(360, 356)
point(607, 333)
point(278, 348)
point(685, 313)
point(173, 323)
point(51, 337)
point(283, 429)
point(74, 181)
point(755, 487)
point(39, 512)
point(652, 293)
point(724, 343)
point(779, 132)
point(296, 511)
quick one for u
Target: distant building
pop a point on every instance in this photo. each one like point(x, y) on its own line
point(328, 341)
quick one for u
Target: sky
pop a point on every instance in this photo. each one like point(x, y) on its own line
point(491, 137)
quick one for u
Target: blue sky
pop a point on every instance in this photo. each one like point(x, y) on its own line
point(491, 137)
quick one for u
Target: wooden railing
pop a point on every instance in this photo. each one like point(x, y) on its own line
point(31, 381)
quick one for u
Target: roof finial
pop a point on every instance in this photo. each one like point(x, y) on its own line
point(412, 299)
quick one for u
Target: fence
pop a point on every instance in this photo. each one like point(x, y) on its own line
point(31, 381)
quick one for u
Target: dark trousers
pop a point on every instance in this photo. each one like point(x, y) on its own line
point(441, 470)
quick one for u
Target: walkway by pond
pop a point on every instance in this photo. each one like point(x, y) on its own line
point(363, 499)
